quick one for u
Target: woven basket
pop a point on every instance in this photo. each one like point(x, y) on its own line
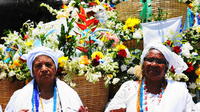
point(94, 96)
point(133, 44)
point(6, 90)
point(132, 8)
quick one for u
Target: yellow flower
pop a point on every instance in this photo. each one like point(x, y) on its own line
point(97, 1)
point(105, 6)
point(104, 39)
point(68, 36)
point(65, 15)
point(197, 71)
point(84, 60)
point(121, 47)
point(61, 61)
point(97, 53)
point(12, 66)
point(64, 7)
point(130, 24)
point(16, 63)
point(29, 43)
point(110, 76)
point(198, 29)
point(81, 41)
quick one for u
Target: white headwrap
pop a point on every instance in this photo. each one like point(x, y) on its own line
point(30, 57)
point(172, 58)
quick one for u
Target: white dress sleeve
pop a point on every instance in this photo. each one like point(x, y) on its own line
point(122, 96)
point(191, 106)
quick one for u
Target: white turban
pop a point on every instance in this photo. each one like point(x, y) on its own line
point(173, 59)
point(30, 57)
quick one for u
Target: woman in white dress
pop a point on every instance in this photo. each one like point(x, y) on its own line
point(45, 93)
point(154, 93)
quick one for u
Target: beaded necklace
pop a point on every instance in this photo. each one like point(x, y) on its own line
point(143, 97)
point(35, 99)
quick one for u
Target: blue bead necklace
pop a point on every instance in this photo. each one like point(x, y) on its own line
point(35, 99)
point(143, 105)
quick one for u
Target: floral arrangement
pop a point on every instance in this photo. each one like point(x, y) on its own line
point(186, 45)
point(90, 47)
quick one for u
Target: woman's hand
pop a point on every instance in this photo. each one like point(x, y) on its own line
point(83, 109)
point(24, 110)
point(119, 110)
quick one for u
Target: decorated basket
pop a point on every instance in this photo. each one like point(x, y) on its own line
point(6, 90)
point(132, 8)
point(94, 96)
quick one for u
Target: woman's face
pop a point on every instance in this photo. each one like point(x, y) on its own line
point(154, 65)
point(44, 70)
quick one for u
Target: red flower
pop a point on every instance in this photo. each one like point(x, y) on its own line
point(89, 42)
point(86, 23)
point(172, 69)
point(83, 49)
point(169, 42)
point(89, 22)
point(122, 53)
point(90, 13)
point(92, 3)
point(190, 67)
point(25, 37)
point(81, 26)
point(95, 61)
point(82, 17)
point(176, 49)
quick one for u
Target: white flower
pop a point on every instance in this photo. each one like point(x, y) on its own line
point(3, 75)
point(11, 73)
point(137, 34)
point(128, 55)
point(72, 84)
point(130, 70)
point(186, 53)
point(115, 81)
point(180, 76)
point(2, 47)
point(186, 49)
point(93, 77)
point(123, 68)
point(194, 53)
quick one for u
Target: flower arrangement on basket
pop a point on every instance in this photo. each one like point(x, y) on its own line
point(89, 47)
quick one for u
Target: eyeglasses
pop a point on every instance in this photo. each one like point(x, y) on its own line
point(159, 61)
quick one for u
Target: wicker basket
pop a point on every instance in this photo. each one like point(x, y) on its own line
point(134, 44)
point(94, 96)
point(6, 90)
point(132, 8)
